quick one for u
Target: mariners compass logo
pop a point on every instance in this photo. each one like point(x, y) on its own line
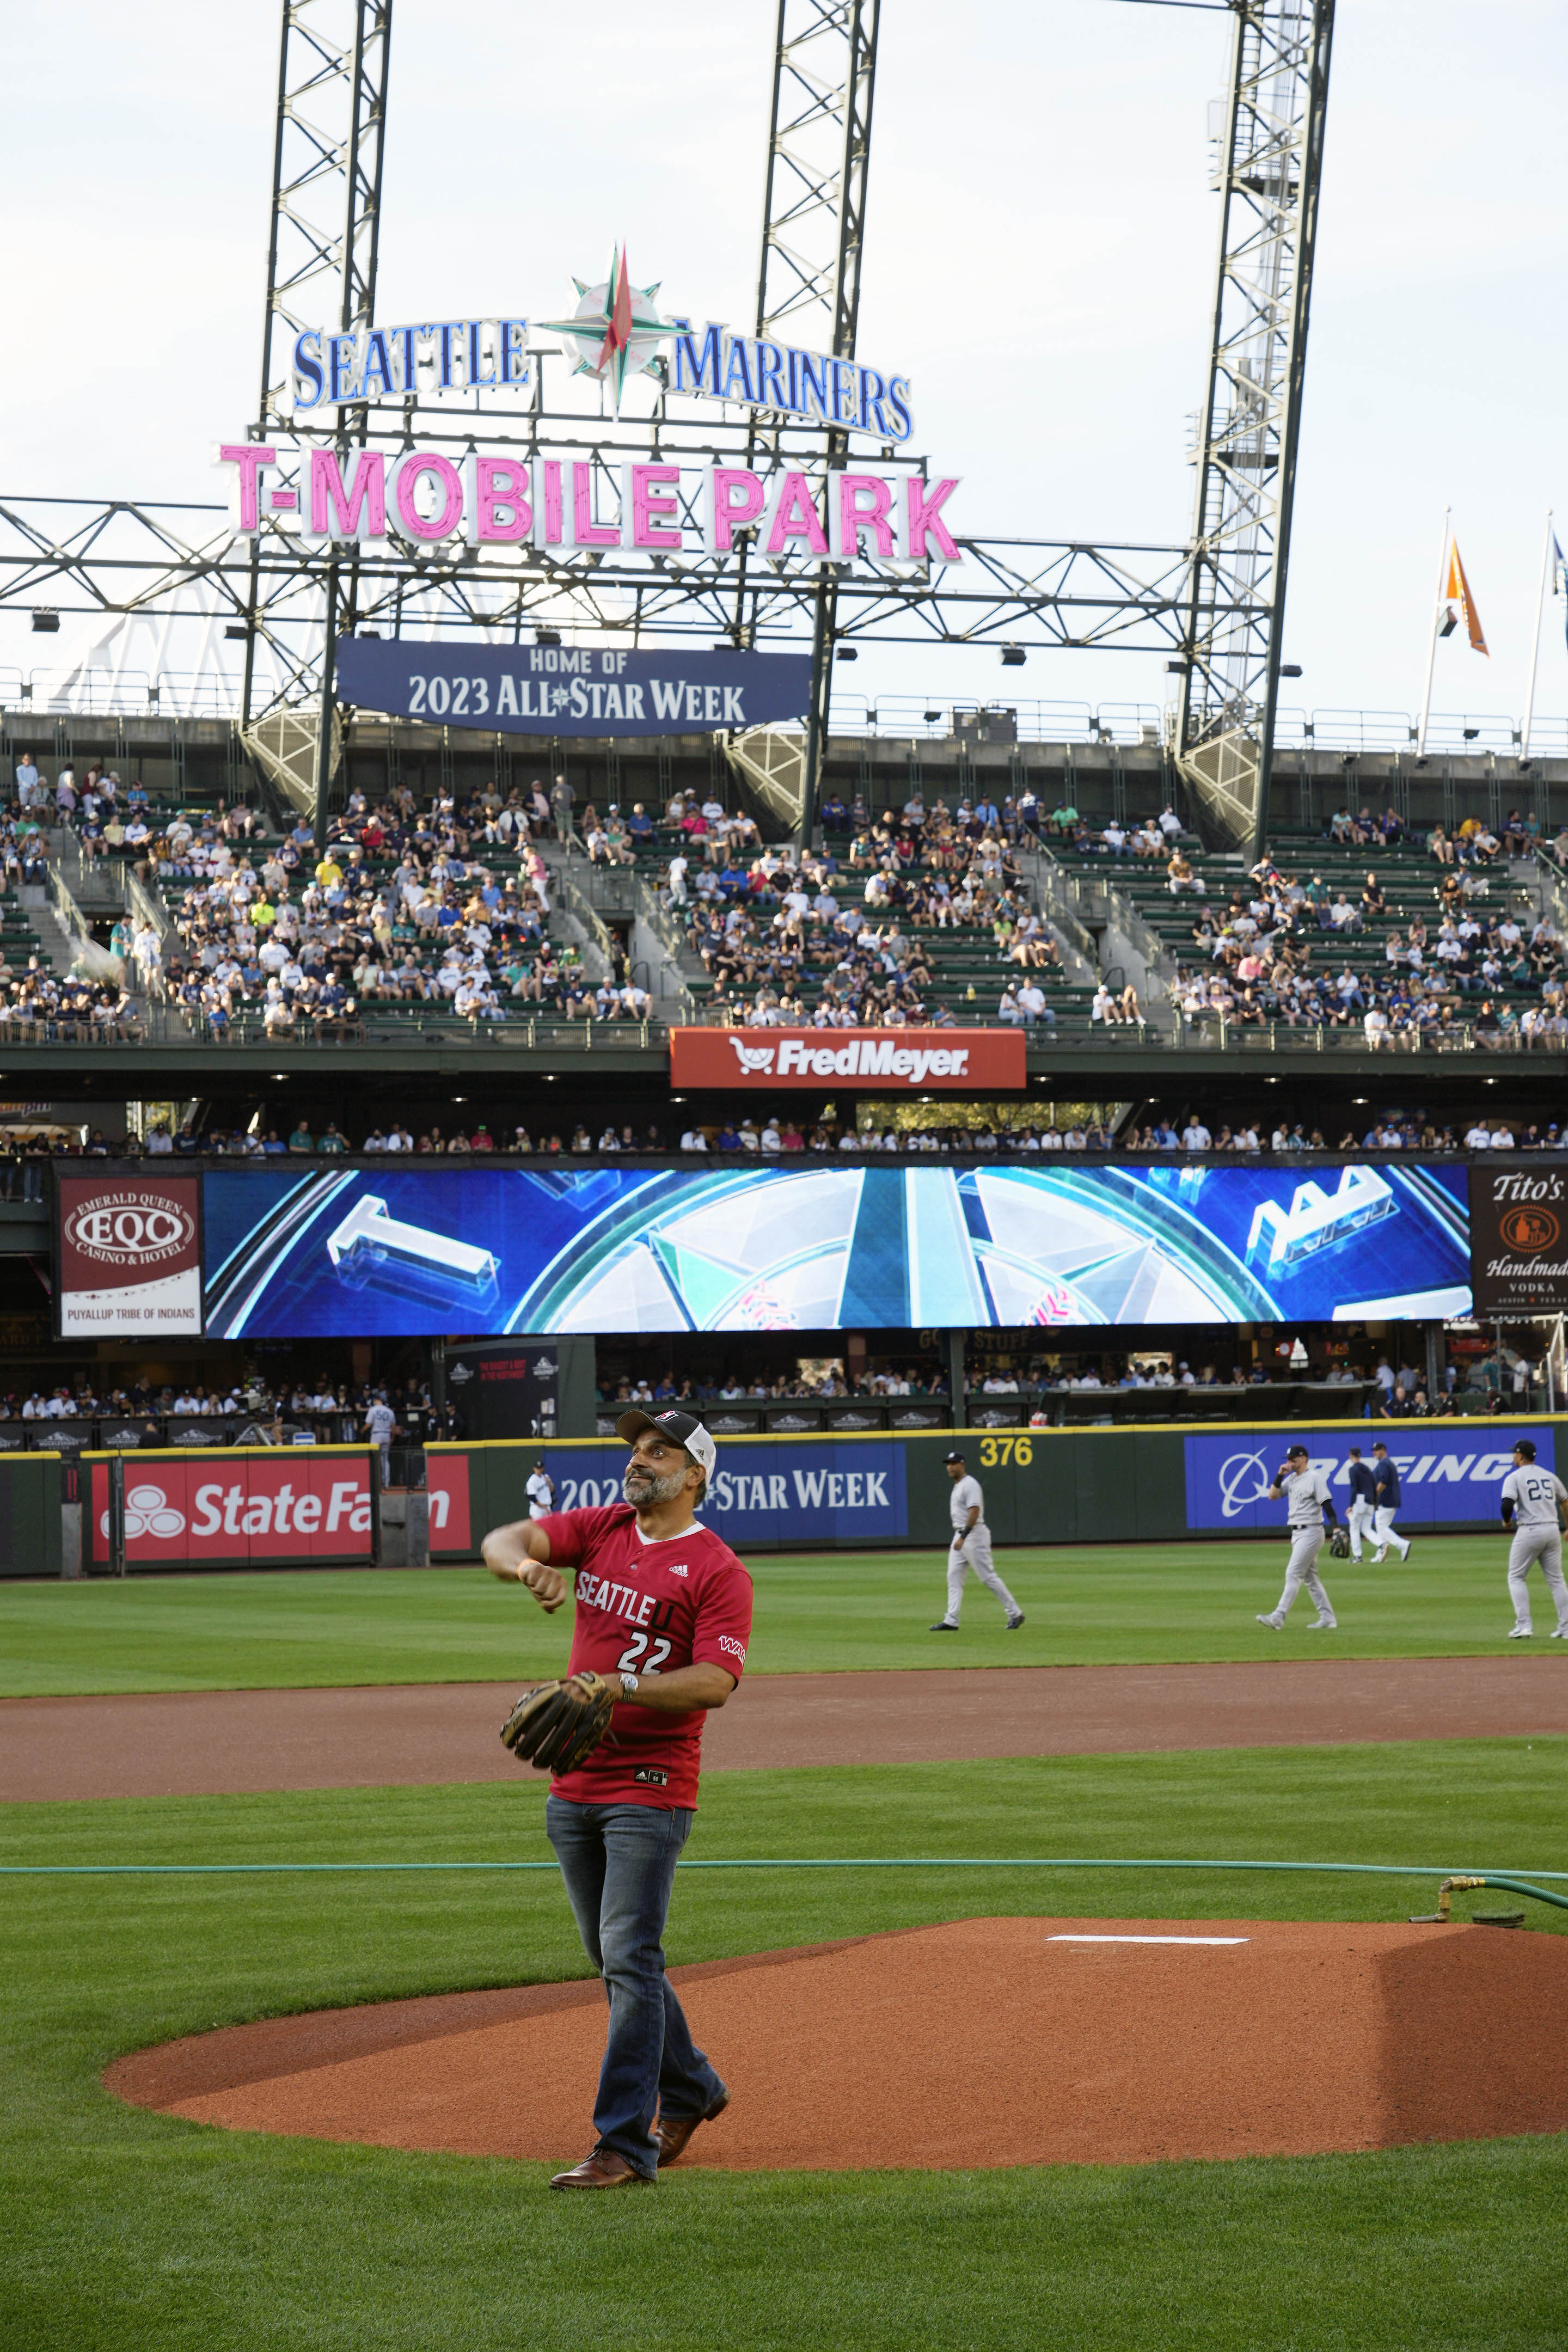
point(615, 331)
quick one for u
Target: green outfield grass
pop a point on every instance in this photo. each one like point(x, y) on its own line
point(127, 2231)
point(819, 1613)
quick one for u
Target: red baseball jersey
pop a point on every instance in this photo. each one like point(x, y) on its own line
point(648, 1607)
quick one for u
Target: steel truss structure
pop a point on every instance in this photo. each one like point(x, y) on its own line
point(814, 224)
point(1270, 171)
point(1213, 609)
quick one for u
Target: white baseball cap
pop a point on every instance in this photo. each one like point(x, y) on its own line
point(681, 1426)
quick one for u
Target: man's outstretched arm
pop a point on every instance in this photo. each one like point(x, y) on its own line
point(519, 1554)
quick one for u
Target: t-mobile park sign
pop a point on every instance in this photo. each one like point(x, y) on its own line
point(850, 516)
point(571, 689)
point(955, 1060)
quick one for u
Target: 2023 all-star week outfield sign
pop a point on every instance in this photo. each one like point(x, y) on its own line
point(1519, 1242)
point(928, 1060)
point(571, 689)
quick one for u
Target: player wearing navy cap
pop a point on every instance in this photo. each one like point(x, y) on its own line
point(664, 1612)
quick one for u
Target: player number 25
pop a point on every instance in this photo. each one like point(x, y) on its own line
point(1007, 1449)
point(630, 1660)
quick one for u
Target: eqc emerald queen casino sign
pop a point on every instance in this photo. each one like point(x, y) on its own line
point(669, 508)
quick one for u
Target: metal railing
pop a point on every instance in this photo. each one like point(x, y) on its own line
point(1141, 726)
point(167, 1024)
point(28, 697)
point(68, 914)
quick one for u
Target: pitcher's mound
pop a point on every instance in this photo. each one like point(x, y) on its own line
point(987, 2042)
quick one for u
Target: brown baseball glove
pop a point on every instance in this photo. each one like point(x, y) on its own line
point(560, 1723)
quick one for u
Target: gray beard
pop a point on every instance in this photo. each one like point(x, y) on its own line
point(655, 1490)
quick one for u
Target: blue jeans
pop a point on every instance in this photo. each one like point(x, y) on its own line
point(618, 1862)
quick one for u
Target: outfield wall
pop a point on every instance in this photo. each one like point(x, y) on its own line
point(30, 1519)
point(1042, 1486)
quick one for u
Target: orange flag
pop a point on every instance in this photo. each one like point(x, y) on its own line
point(1457, 591)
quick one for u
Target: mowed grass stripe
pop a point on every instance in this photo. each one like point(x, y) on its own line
point(818, 1613)
point(130, 2229)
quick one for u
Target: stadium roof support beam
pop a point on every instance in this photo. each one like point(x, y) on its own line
point(813, 221)
point(323, 243)
point(1270, 169)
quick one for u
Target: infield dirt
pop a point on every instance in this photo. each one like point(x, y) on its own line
point(232, 1743)
point(978, 2043)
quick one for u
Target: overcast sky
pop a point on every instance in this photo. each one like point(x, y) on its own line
point(1040, 249)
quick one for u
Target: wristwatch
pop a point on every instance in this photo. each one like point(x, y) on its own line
point(628, 1682)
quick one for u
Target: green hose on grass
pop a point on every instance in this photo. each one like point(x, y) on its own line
point(1503, 1881)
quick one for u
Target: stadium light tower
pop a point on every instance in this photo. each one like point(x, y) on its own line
point(813, 221)
point(1270, 166)
point(322, 246)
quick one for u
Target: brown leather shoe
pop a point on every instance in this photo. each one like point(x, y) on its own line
point(675, 2131)
point(603, 2170)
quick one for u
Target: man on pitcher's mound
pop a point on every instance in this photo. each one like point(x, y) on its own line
point(663, 1618)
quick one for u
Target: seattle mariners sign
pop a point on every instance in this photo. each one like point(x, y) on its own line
point(616, 330)
point(656, 507)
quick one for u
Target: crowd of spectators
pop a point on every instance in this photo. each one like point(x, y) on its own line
point(1266, 958)
point(772, 1134)
point(403, 908)
point(830, 1382)
point(769, 1134)
point(334, 1411)
point(1196, 1133)
point(857, 931)
point(400, 908)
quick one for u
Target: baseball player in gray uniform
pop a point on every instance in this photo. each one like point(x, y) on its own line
point(970, 1548)
point(1306, 1491)
point(540, 1490)
point(1532, 1502)
point(1360, 1516)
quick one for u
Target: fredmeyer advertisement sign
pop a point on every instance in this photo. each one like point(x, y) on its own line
point(944, 1061)
point(1518, 1240)
point(127, 1257)
point(797, 1245)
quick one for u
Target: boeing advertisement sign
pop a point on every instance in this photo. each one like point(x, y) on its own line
point(1450, 1472)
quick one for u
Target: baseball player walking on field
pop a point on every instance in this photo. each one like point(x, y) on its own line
point(1306, 1491)
point(1532, 1502)
point(1385, 1502)
point(970, 1548)
point(663, 1614)
point(1359, 1516)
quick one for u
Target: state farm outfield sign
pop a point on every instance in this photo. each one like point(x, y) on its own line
point(300, 1504)
point(127, 1257)
point(920, 1061)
